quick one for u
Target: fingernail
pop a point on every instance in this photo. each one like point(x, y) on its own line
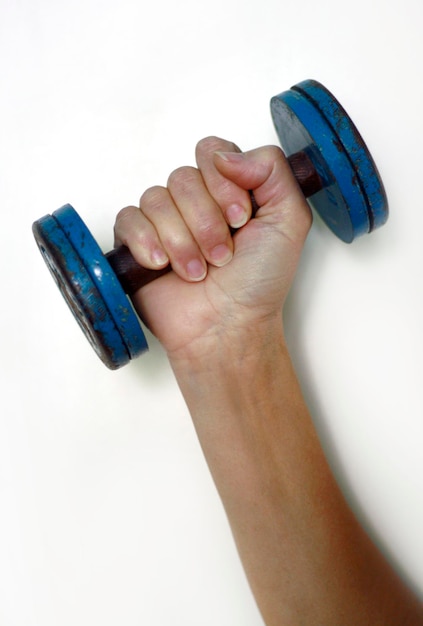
point(196, 270)
point(159, 257)
point(236, 215)
point(233, 157)
point(221, 255)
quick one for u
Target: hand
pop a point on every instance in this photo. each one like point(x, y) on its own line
point(221, 286)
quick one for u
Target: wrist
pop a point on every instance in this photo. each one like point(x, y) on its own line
point(235, 388)
point(245, 403)
point(228, 350)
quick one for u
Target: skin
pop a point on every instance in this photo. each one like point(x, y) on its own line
point(219, 317)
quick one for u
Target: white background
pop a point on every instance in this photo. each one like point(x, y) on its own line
point(108, 514)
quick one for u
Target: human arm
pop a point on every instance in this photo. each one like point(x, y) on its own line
point(307, 559)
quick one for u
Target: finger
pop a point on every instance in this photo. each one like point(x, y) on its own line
point(267, 173)
point(234, 201)
point(202, 215)
point(186, 258)
point(135, 231)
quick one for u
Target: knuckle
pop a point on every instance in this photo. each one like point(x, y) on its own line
point(272, 156)
point(126, 213)
point(276, 153)
point(211, 144)
point(210, 232)
point(123, 221)
point(208, 225)
point(205, 233)
point(153, 199)
point(128, 229)
point(182, 179)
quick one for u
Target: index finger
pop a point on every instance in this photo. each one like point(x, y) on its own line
point(234, 201)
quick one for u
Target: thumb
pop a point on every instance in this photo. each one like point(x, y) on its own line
point(267, 173)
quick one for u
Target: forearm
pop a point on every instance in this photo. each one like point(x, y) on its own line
point(307, 559)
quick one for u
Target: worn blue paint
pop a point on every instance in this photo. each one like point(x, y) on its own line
point(353, 201)
point(90, 287)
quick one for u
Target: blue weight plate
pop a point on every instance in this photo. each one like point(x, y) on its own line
point(308, 118)
point(90, 287)
point(80, 292)
point(101, 273)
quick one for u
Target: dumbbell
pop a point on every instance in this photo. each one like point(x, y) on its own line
point(334, 170)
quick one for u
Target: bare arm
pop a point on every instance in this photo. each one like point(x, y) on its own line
point(306, 557)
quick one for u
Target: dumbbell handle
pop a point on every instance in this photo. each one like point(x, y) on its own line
point(133, 276)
